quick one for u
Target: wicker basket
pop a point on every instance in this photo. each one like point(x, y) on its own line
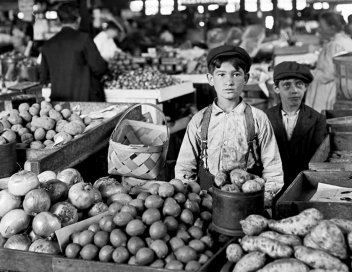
point(138, 149)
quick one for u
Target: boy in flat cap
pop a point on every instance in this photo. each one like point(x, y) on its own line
point(229, 133)
point(299, 129)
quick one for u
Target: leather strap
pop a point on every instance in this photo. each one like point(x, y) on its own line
point(251, 136)
point(204, 136)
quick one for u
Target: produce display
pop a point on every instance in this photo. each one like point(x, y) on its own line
point(341, 157)
point(238, 180)
point(165, 227)
point(305, 242)
point(201, 66)
point(143, 78)
point(42, 126)
point(34, 206)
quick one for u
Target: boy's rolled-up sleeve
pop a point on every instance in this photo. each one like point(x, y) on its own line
point(186, 168)
point(270, 157)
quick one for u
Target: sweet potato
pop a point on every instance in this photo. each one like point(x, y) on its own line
point(308, 242)
point(43, 122)
point(329, 237)
point(285, 265)
point(251, 186)
point(220, 178)
point(25, 115)
point(234, 252)
point(344, 224)
point(268, 246)
point(300, 224)
point(239, 176)
point(317, 258)
point(287, 239)
point(250, 262)
point(254, 224)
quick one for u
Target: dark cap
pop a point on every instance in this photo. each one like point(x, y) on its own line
point(231, 51)
point(292, 69)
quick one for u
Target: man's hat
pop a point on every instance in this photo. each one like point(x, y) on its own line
point(229, 50)
point(292, 69)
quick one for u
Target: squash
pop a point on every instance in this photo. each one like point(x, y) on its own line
point(43, 122)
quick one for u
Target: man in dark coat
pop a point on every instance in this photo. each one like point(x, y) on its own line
point(299, 129)
point(72, 62)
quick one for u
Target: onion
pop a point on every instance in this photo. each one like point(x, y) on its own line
point(45, 246)
point(111, 189)
point(57, 190)
point(33, 236)
point(45, 223)
point(2, 241)
point(8, 202)
point(19, 242)
point(45, 176)
point(81, 195)
point(36, 201)
point(66, 212)
point(103, 181)
point(22, 182)
point(14, 222)
point(98, 208)
point(97, 196)
point(70, 176)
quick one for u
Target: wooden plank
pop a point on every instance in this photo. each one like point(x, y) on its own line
point(16, 260)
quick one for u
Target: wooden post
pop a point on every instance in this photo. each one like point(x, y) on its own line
point(242, 12)
point(275, 16)
point(143, 8)
point(175, 6)
point(294, 10)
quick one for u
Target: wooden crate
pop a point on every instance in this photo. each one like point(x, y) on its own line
point(339, 120)
point(14, 260)
point(296, 198)
point(79, 148)
point(335, 141)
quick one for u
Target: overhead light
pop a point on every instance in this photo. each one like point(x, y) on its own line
point(230, 8)
point(20, 15)
point(181, 8)
point(269, 22)
point(200, 9)
point(202, 24)
point(213, 7)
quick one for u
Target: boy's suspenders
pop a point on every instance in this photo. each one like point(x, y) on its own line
point(251, 137)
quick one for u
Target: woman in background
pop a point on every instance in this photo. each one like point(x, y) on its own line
point(105, 41)
point(321, 94)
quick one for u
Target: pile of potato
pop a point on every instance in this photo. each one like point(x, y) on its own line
point(239, 180)
point(41, 125)
point(302, 243)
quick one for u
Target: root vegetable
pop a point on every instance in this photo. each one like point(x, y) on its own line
point(287, 239)
point(319, 259)
point(254, 224)
point(300, 224)
point(220, 178)
point(234, 253)
point(344, 224)
point(250, 262)
point(287, 265)
point(269, 246)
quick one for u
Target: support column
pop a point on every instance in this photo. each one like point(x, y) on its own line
point(275, 16)
point(242, 12)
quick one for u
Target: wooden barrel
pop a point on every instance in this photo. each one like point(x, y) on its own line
point(7, 159)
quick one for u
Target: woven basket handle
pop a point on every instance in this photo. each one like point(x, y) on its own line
point(143, 104)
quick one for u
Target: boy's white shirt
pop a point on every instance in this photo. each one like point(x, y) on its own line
point(227, 144)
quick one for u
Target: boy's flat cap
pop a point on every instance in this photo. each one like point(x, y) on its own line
point(230, 50)
point(292, 69)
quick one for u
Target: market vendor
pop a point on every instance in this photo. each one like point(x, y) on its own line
point(216, 137)
point(299, 129)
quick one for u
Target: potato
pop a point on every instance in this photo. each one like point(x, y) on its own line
point(234, 252)
point(36, 145)
point(329, 237)
point(66, 113)
point(74, 128)
point(48, 143)
point(287, 239)
point(349, 240)
point(62, 137)
point(344, 224)
point(239, 176)
point(43, 122)
point(23, 131)
point(319, 259)
point(58, 107)
point(34, 110)
point(251, 186)
point(231, 188)
point(25, 115)
point(261, 181)
point(44, 112)
point(46, 106)
point(23, 107)
point(16, 128)
point(285, 265)
point(9, 136)
point(87, 120)
point(5, 123)
point(50, 134)
point(14, 119)
point(268, 246)
point(60, 125)
point(55, 115)
point(254, 224)
point(250, 262)
point(2, 140)
point(220, 178)
point(39, 134)
point(75, 117)
point(27, 138)
point(300, 224)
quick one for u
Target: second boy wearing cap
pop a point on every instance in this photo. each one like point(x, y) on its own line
point(217, 137)
point(299, 129)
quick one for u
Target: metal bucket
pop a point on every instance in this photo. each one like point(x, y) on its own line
point(229, 208)
point(8, 159)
